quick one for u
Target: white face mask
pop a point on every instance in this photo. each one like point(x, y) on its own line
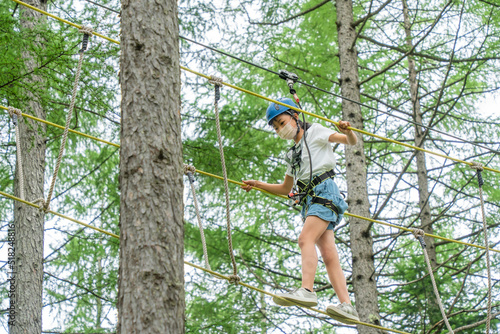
point(288, 131)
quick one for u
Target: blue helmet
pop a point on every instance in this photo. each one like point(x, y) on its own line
point(275, 109)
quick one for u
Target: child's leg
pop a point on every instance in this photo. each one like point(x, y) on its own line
point(326, 245)
point(313, 228)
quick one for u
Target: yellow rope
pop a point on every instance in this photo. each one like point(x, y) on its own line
point(62, 128)
point(337, 123)
point(238, 183)
point(58, 214)
point(359, 217)
point(63, 20)
point(277, 102)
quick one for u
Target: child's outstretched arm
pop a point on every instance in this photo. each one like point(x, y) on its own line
point(348, 137)
point(280, 189)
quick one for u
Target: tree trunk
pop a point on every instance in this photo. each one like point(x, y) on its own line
point(29, 221)
point(423, 187)
point(151, 275)
point(98, 319)
point(363, 272)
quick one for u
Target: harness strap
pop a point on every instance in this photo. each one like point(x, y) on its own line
point(308, 190)
point(315, 181)
point(326, 203)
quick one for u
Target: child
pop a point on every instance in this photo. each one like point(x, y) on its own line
point(322, 208)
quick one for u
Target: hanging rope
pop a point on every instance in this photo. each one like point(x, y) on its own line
point(87, 32)
point(17, 116)
point(189, 171)
point(217, 82)
point(419, 235)
point(479, 168)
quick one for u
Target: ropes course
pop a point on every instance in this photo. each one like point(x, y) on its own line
point(17, 115)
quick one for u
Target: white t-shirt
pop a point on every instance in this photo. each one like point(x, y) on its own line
point(323, 158)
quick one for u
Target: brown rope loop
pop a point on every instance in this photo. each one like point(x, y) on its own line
point(477, 166)
point(14, 111)
point(189, 169)
point(216, 81)
point(86, 30)
point(234, 279)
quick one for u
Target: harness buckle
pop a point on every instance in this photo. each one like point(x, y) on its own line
point(296, 197)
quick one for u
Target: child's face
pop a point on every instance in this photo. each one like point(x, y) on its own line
point(280, 121)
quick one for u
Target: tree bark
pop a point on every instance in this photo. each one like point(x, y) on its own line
point(151, 275)
point(422, 177)
point(363, 273)
point(29, 221)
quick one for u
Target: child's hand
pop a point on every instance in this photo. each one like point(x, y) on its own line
point(343, 127)
point(249, 184)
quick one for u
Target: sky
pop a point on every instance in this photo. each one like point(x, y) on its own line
point(490, 105)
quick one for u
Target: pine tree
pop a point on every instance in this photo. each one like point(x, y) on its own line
point(151, 280)
point(28, 221)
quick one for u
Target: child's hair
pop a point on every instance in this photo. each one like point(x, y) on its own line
point(303, 125)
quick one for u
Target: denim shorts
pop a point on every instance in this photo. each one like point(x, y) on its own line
point(327, 189)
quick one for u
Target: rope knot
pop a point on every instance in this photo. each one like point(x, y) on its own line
point(86, 30)
point(215, 81)
point(234, 279)
point(477, 166)
point(189, 169)
point(418, 233)
point(42, 204)
point(14, 111)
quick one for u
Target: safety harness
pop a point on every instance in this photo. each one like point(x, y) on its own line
point(308, 190)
